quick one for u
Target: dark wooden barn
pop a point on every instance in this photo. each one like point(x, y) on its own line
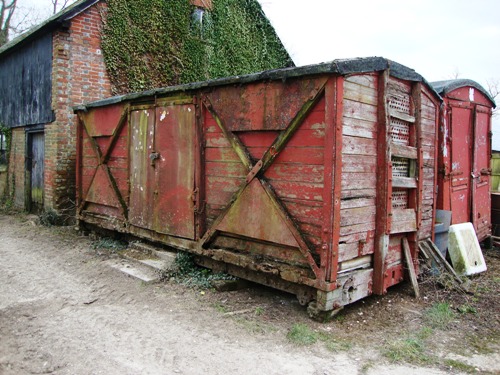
point(312, 180)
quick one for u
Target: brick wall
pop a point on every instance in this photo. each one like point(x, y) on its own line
point(79, 76)
point(16, 175)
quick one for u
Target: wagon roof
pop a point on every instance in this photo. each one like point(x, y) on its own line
point(341, 67)
point(57, 20)
point(447, 86)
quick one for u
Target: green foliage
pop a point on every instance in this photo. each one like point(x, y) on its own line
point(155, 43)
point(109, 244)
point(188, 273)
point(7, 135)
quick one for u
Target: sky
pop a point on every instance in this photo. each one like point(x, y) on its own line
point(440, 39)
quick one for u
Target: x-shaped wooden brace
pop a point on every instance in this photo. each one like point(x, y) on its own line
point(103, 159)
point(258, 169)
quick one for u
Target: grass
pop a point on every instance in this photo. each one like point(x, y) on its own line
point(439, 315)
point(410, 349)
point(302, 335)
point(459, 366)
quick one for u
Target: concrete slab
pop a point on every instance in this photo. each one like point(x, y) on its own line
point(135, 270)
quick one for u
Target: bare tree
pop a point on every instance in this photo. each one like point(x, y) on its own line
point(494, 91)
point(7, 10)
point(57, 3)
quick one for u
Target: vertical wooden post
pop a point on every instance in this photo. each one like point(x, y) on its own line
point(384, 191)
point(333, 176)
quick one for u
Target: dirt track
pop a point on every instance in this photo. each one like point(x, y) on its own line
point(63, 311)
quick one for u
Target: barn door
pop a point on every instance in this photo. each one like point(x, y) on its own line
point(461, 149)
point(35, 169)
point(481, 173)
point(162, 168)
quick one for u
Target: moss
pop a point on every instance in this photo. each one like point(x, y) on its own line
point(155, 43)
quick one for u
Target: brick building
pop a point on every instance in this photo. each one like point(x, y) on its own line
point(43, 74)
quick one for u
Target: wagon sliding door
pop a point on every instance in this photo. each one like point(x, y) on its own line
point(461, 149)
point(162, 169)
point(481, 206)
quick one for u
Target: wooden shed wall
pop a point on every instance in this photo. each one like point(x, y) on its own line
point(26, 84)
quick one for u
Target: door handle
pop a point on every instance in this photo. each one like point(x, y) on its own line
point(153, 157)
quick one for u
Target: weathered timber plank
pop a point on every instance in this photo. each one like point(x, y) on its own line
point(425, 230)
point(357, 110)
point(359, 93)
point(359, 164)
point(403, 221)
point(358, 131)
point(297, 190)
point(428, 112)
point(305, 213)
point(411, 267)
point(401, 116)
point(216, 140)
point(355, 181)
point(395, 84)
point(404, 151)
point(354, 216)
point(225, 169)
point(254, 247)
point(357, 202)
point(404, 182)
point(296, 172)
point(358, 146)
point(358, 228)
point(367, 80)
point(358, 193)
point(225, 154)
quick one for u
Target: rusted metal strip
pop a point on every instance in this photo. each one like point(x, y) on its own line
point(236, 144)
point(116, 133)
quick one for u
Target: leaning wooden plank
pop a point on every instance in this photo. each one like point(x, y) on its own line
point(447, 265)
point(411, 267)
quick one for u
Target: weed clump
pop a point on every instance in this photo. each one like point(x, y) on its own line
point(186, 272)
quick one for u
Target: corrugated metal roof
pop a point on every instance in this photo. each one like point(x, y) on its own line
point(444, 87)
point(341, 66)
point(57, 20)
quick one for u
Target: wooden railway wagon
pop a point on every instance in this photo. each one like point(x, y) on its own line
point(306, 179)
point(464, 161)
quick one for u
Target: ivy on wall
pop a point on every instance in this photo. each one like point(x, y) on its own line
point(156, 43)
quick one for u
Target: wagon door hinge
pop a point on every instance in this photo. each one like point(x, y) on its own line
point(194, 196)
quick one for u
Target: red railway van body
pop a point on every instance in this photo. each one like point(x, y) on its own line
point(305, 179)
point(465, 151)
